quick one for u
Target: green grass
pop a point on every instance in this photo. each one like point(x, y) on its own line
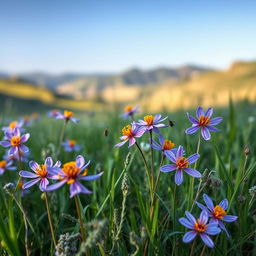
point(119, 223)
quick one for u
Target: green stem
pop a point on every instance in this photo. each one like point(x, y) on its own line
point(152, 159)
point(49, 218)
point(174, 204)
point(202, 253)
point(192, 249)
point(80, 217)
point(62, 136)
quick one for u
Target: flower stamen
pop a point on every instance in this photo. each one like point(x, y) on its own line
point(200, 227)
point(204, 120)
point(149, 119)
point(182, 163)
point(219, 212)
point(15, 141)
point(168, 144)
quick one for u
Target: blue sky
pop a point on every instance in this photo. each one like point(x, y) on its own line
point(112, 36)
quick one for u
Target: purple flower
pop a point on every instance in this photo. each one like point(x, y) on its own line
point(54, 113)
point(130, 132)
point(217, 213)
point(129, 111)
point(41, 173)
point(180, 164)
point(151, 122)
point(15, 141)
point(71, 145)
point(18, 156)
point(6, 165)
point(67, 115)
point(164, 145)
point(204, 122)
point(70, 174)
point(12, 125)
point(199, 227)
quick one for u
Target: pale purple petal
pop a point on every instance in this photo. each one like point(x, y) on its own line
point(212, 128)
point(185, 222)
point(192, 129)
point(91, 177)
point(16, 131)
point(190, 217)
point(155, 145)
point(43, 184)
point(207, 240)
point(34, 166)
point(30, 183)
point(77, 188)
point(199, 112)
point(157, 117)
point(55, 185)
point(5, 144)
point(222, 226)
point(215, 120)
point(26, 174)
point(193, 158)
point(179, 153)
point(161, 139)
point(189, 236)
point(192, 119)
point(131, 142)
point(192, 172)
point(208, 202)
point(8, 135)
point(224, 204)
point(168, 168)
point(229, 218)
point(120, 144)
point(203, 217)
point(178, 177)
point(13, 150)
point(160, 125)
point(212, 229)
point(209, 112)
point(205, 133)
point(23, 148)
point(24, 137)
point(201, 206)
point(48, 161)
point(80, 161)
point(169, 154)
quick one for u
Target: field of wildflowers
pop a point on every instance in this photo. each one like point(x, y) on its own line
point(129, 184)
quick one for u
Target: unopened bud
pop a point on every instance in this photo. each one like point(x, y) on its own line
point(246, 150)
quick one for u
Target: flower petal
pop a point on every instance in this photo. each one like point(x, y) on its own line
point(34, 166)
point(192, 172)
point(229, 218)
point(192, 119)
point(178, 177)
point(120, 144)
point(24, 137)
point(23, 148)
point(192, 129)
point(222, 226)
point(213, 129)
point(185, 222)
point(91, 177)
point(224, 204)
point(77, 188)
point(216, 120)
point(203, 217)
point(201, 206)
point(169, 154)
point(179, 152)
point(48, 161)
point(207, 240)
point(168, 168)
point(5, 144)
point(26, 174)
point(206, 133)
point(80, 161)
point(131, 142)
point(30, 183)
point(193, 158)
point(189, 236)
point(212, 229)
point(55, 185)
point(199, 112)
point(43, 184)
point(190, 217)
point(208, 202)
point(209, 112)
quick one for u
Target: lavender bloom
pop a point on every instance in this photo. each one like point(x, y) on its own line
point(54, 113)
point(70, 174)
point(218, 212)
point(15, 141)
point(129, 111)
point(6, 165)
point(71, 145)
point(41, 173)
point(130, 132)
point(199, 227)
point(180, 164)
point(18, 156)
point(12, 125)
point(151, 122)
point(204, 122)
point(67, 115)
point(26, 120)
point(22, 191)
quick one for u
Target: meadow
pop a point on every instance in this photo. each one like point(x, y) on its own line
point(134, 208)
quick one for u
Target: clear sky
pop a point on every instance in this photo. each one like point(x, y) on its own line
point(112, 36)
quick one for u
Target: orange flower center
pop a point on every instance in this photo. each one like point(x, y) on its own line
point(72, 171)
point(15, 141)
point(20, 184)
point(3, 164)
point(13, 124)
point(54, 111)
point(41, 171)
point(182, 163)
point(200, 227)
point(204, 120)
point(128, 108)
point(127, 131)
point(219, 212)
point(72, 143)
point(168, 145)
point(149, 119)
point(26, 118)
point(68, 114)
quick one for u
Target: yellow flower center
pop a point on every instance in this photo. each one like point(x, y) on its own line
point(128, 109)
point(72, 171)
point(15, 141)
point(200, 227)
point(13, 124)
point(219, 212)
point(168, 144)
point(149, 119)
point(68, 114)
point(182, 163)
point(127, 131)
point(3, 164)
point(41, 171)
point(72, 143)
point(204, 120)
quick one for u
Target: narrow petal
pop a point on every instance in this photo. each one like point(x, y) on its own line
point(30, 183)
point(190, 217)
point(229, 218)
point(48, 161)
point(199, 112)
point(160, 125)
point(131, 142)
point(224, 204)
point(208, 202)
point(161, 139)
point(179, 152)
point(55, 185)
point(192, 119)
point(216, 120)
point(13, 150)
point(34, 166)
point(192, 129)
point(26, 174)
point(155, 145)
point(157, 117)
point(120, 144)
point(168, 168)
point(206, 133)
point(207, 240)
point(140, 132)
point(212, 229)
point(178, 177)
point(80, 161)
point(77, 188)
point(202, 207)
point(23, 148)
point(209, 112)
point(91, 177)
point(5, 144)
point(16, 131)
point(222, 226)
point(24, 137)
point(185, 222)
point(203, 217)
point(43, 184)
point(192, 172)
point(169, 154)
point(189, 236)
point(193, 158)
point(212, 128)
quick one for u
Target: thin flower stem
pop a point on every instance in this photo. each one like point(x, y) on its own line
point(202, 253)
point(62, 136)
point(49, 218)
point(80, 217)
point(243, 172)
point(152, 159)
point(174, 208)
point(193, 247)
